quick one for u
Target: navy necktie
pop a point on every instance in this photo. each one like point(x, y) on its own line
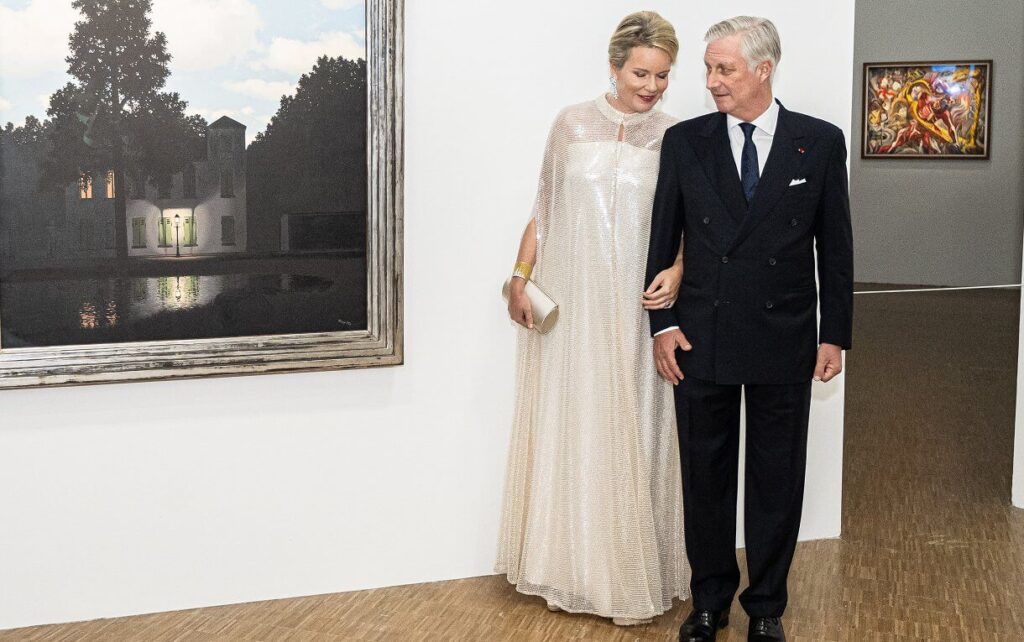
point(748, 163)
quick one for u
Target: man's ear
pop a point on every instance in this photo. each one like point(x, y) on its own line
point(764, 70)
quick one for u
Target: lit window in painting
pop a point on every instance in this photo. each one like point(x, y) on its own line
point(165, 233)
point(110, 183)
point(189, 237)
point(85, 187)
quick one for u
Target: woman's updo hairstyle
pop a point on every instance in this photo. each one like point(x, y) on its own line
point(642, 29)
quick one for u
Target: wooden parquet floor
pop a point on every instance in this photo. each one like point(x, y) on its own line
point(931, 548)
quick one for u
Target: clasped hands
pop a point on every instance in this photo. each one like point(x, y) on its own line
point(829, 363)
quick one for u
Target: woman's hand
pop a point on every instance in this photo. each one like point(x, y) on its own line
point(664, 288)
point(519, 308)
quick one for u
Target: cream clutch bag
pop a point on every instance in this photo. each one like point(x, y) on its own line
point(545, 311)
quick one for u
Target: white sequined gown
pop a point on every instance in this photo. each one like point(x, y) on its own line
point(592, 518)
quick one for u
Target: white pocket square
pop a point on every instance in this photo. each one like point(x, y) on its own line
point(797, 181)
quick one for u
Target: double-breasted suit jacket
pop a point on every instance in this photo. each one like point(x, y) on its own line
point(748, 299)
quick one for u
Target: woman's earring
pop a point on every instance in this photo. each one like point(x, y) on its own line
point(615, 87)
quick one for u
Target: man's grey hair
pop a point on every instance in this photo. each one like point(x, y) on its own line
point(759, 37)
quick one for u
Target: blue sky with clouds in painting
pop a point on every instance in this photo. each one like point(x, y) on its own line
point(230, 57)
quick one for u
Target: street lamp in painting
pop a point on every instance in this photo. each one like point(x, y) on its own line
point(177, 246)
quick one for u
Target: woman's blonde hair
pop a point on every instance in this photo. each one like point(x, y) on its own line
point(642, 29)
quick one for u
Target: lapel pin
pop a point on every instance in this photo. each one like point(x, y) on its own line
point(801, 150)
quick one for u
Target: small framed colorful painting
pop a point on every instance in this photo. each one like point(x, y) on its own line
point(927, 110)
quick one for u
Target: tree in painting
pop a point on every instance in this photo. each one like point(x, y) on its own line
point(312, 156)
point(115, 116)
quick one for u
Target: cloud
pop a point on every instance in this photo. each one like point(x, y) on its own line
point(4, 104)
point(211, 114)
point(201, 34)
point(34, 39)
point(297, 56)
point(204, 34)
point(341, 4)
point(259, 88)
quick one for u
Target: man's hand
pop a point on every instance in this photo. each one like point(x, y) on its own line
point(830, 362)
point(665, 345)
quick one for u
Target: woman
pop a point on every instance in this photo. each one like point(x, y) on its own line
point(592, 519)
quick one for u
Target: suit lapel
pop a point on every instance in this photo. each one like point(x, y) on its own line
point(715, 155)
point(783, 163)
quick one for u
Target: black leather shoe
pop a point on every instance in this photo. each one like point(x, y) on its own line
point(765, 629)
point(703, 626)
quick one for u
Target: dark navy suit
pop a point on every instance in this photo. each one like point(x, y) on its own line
point(748, 305)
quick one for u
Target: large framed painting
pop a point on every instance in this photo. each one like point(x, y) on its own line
point(196, 188)
point(927, 109)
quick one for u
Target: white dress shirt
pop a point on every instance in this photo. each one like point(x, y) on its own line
point(764, 133)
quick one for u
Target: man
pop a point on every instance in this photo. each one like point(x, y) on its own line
point(752, 189)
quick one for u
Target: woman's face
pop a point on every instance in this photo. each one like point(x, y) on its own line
point(642, 79)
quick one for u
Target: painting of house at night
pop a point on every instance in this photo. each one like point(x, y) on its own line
point(127, 214)
point(202, 210)
point(199, 211)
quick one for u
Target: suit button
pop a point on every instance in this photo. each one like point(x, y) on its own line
point(725, 259)
point(772, 261)
point(794, 222)
point(716, 303)
point(769, 305)
point(707, 219)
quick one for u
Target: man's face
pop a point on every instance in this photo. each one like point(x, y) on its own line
point(736, 89)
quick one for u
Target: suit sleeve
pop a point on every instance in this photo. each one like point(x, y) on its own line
point(834, 241)
point(666, 224)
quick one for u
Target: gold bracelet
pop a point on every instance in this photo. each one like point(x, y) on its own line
point(523, 270)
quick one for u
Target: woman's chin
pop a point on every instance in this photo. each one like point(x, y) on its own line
point(640, 105)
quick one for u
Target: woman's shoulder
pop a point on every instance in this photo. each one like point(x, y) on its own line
point(576, 113)
point(664, 120)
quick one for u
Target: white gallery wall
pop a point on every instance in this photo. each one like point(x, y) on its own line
point(1017, 490)
point(1018, 456)
point(148, 497)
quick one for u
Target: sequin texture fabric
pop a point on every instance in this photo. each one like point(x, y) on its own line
point(592, 517)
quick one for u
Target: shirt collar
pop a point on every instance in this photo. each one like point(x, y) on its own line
point(766, 122)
